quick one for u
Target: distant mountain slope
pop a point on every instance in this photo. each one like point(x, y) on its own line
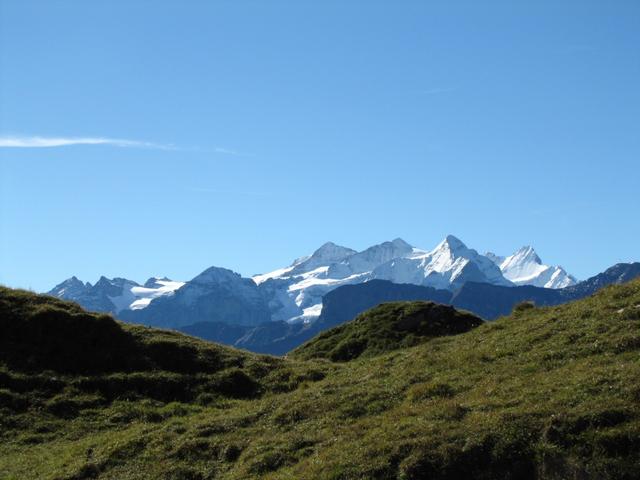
point(114, 295)
point(339, 306)
point(619, 273)
point(216, 295)
point(274, 338)
point(295, 293)
point(543, 394)
point(483, 299)
point(389, 326)
point(492, 301)
point(346, 302)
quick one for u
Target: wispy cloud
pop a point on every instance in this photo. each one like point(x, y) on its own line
point(10, 141)
point(37, 141)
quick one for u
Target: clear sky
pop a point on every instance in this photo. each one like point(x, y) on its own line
point(146, 138)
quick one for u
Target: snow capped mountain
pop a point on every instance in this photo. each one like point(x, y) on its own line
point(524, 267)
point(369, 259)
point(447, 266)
point(215, 295)
point(295, 293)
point(114, 295)
point(153, 288)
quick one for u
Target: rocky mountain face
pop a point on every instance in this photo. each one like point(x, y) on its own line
point(484, 299)
point(216, 295)
point(276, 312)
point(114, 295)
point(295, 293)
point(347, 302)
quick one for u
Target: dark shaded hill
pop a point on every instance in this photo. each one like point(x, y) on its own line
point(545, 393)
point(41, 334)
point(387, 327)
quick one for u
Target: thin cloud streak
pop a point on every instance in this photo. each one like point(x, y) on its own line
point(53, 142)
point(36, 141)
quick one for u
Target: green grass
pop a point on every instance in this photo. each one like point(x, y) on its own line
point(389, 326)
point(544, 393)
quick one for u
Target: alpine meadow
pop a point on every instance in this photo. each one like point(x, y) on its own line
point(339, 240)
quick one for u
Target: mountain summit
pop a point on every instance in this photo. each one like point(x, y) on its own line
point(449, 265)
point(114, 295)
point(295, 293)
point(524, 267)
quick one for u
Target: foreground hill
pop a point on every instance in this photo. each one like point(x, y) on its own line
point(389, 326)
point(544, 393)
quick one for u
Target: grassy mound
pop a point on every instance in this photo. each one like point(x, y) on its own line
point(89, 353)
point(546, 393)
point(387, 327)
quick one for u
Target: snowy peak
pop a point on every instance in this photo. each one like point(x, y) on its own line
point(400, 244)
point(155, 282)
point(332, 252)
point(215, 295)
point(451, 244)
point(70, 288)
point(216, 275)
point(327, 254)
point(523, 256)
point(324, 256)
point(114, 295)
point(447, 266)
point(525, 267)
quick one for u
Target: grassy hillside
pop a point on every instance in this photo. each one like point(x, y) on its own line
point(544, 393)
point(389, 326)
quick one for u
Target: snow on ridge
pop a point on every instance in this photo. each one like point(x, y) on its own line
point(524, 267)
point(144, 295)
point(296, 291)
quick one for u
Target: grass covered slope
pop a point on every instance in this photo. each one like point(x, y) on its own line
point(544, 393)
point(387, 327)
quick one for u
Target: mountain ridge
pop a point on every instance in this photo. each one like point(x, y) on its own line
point(294, 293)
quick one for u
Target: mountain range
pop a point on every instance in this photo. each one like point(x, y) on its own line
point(294, 293)
point(277, 311)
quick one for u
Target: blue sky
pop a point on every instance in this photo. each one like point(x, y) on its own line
point(245, 134)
